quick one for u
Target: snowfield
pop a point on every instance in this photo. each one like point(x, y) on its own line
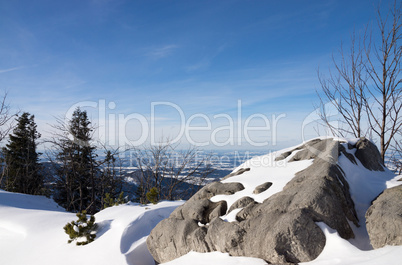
point(31, 232)
point(31, 227)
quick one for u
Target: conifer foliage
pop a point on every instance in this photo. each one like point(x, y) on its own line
point(22, 168)
point(77, 170)
point(82, 179)
point(110, 180)
point(83, 231)
point(109, 201)
point(152, 195)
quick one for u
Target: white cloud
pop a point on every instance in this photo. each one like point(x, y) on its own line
point(161, 52)
point(205, 62)
point(11, 69)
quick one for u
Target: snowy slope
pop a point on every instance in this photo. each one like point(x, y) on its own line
point(31, 232)
point(31, 227)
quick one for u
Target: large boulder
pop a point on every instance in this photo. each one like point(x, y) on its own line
point(369, 155)
point(384, 218)
point(280, 229)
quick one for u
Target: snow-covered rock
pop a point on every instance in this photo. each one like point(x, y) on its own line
point(310, 184)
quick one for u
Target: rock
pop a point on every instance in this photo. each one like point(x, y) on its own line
point(202, 211)
point(282, 229)
point(384, 218)
point(181, 237)
point(241, 203)
point(219, 210)
point(283, 156)
point(369, 155)
point(238, 172)
point(216, 188)
point(246, 211)
point(261, 188)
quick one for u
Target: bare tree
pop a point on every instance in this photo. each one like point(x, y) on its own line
point(6, 117)
point(384, 68)
point(345, 90)
point(366, 87)
point(396, 157)
point(175, 173)
point(6, 126)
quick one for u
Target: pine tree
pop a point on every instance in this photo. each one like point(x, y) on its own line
point(78, 172)
point(152, 195)
point(22, 168)
point(110, 181)
point(109, 201)
point(83, 231)
point(140, 194)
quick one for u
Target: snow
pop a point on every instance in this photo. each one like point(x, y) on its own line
point(195, 258)
point(396, 181)
point(31, 227)
point(263, 169)
point(31, 232)
point(336, 251)
point(364, 186)
point(340, 251)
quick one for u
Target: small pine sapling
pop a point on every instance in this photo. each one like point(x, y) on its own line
point(152, 195)
point(109, 201)
point(140, 195)
point(83, 231)
point(121, 199)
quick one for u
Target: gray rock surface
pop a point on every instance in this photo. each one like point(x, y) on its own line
point(263, 187)
point(369, 155)
point(241, 203)
point(238, 172)
point(282, 229)
point(384, 218)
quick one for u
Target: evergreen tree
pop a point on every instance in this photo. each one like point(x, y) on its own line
point(77, 171)
point(108, 201)
point(152, 195)
point(110, 181)
point(22, 168)
point(83, 231)
point(140, 194)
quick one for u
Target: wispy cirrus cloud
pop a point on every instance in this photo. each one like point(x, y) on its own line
point(2, 71)
point(205, 62)
point(202, 64)
point(161, 52)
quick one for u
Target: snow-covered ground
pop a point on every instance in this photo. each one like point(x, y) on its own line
point(31, 232)
point(31, 227)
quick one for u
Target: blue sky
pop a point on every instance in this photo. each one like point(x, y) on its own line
point(202, 56)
